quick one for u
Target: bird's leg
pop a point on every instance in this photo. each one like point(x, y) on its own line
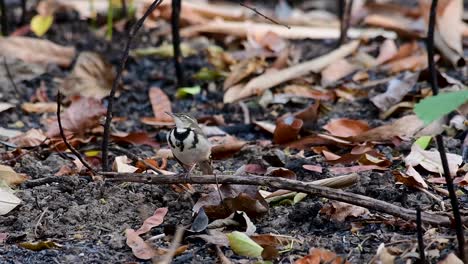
point(217, 187)
point(188, 171)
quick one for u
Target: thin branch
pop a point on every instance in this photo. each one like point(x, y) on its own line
point(4, 18)
point(124, 8)
point(130, 36)
point(439, 139)
point(422, 257)
point(10, 76)
point(64, 138)
point(262, 15)
point(344, 10)
point(286, 184)
point(175, 25)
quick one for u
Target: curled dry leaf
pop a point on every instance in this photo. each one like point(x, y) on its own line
point(161, 104)
point(344, 127)
point(406, 126)
point(136, 138)
point(387, 51)
point(32, 138)
point(339, 211)
point(140, 248)
point(121, 165)
point(396, 90)
point(92, 76)
point(319, 255)
point(36, 51)
point(242, 70)
point(10, 177)
point(40, 107)
point(411, 178)
point(83, 114)
point(225, 146)
point(8, 201)
point(155, 220)
point(430, 160)
point(336, 71)
point(287, 129)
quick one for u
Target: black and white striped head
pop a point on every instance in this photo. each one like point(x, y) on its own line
point(183, 120)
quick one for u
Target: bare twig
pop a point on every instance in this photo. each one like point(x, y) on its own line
point(344, 10)
point(23, 12)
point(10, 77)
point(64, 138)
point(422, 258)
point(439, 139)
point(124, 8)
point(175, 24)
point(262, 15)
point(245, 111)
point(123, 60)
point(174, 245)
point(4, 18)
point(36, 226)
point(279, 183)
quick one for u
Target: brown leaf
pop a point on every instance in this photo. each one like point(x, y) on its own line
point(316, 168)
point(242, 70)
point(225, 146)
point(411, 63)
point(280, 172)
point(387, 51)
point(339, 211)
point(136, 138)
point(309, 92)
point(161, 104)
point(35, 50)
point(40, 107)
point(405, 51)
point(287, 129)
point(336, 71)
point(268, 40)
point(396, 90)
point(411, 178)
point(31, 138)
point(405, 27)
point(345, 127)
point(140, 248)
point(406, 126)
point(83, 114)
point(92, 76)
point(309, 115)
point(155, 220)
point(10, 177)
point(319, 255)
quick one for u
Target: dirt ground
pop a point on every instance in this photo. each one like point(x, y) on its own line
point(88, 218)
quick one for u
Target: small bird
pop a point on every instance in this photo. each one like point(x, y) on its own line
point(189, 144)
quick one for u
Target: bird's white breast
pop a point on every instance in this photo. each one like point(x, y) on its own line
point(188, 148)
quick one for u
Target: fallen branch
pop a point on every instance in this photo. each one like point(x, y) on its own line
point(280, 183)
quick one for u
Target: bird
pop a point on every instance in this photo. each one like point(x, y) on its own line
point(189, 144)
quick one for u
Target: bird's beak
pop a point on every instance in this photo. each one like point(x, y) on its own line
point(170, 114)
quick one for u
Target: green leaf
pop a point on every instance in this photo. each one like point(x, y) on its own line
point(243, 245)
point(206, 74)
point(186, 91)
point(40, 24)
point(434, 107)
point(423, 141)
point(299, 197)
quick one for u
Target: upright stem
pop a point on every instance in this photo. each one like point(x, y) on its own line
point(175, 21)
point(123, 61)
point(439, 139)
point(344, 13)
point(4, 22)
point(124, 8)
point(422, 256)
point(110, 18)
point(23, 12)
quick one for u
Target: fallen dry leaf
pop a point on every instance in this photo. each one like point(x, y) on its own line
point(396, 90)
point(155, 220)
point(344, 127)
point(5, 106)
point(411, 63)
point(336, 71)
point(242, 70)
point(319, 255)
point(404, 26)
point(411, 178)
point(406, 126)
point(140, 248)
point(136, 138)
point(35, 50)
point(309, 92)
point(32, 138)
point(339, 211)
point(121, 165)
point(225, 146)
point(387, 51)
point(10, 177)
point(40, 107)
point(83, 114)
point(384, 255)
point(161, 104)
point(355, 169)
point(92, 76)
point(430, 160)
point(451, 259)
point(405, 51)
point(268, 80)
point(315, 168)
point(287, 129)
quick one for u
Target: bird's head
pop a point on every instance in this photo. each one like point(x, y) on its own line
point(182, 120)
